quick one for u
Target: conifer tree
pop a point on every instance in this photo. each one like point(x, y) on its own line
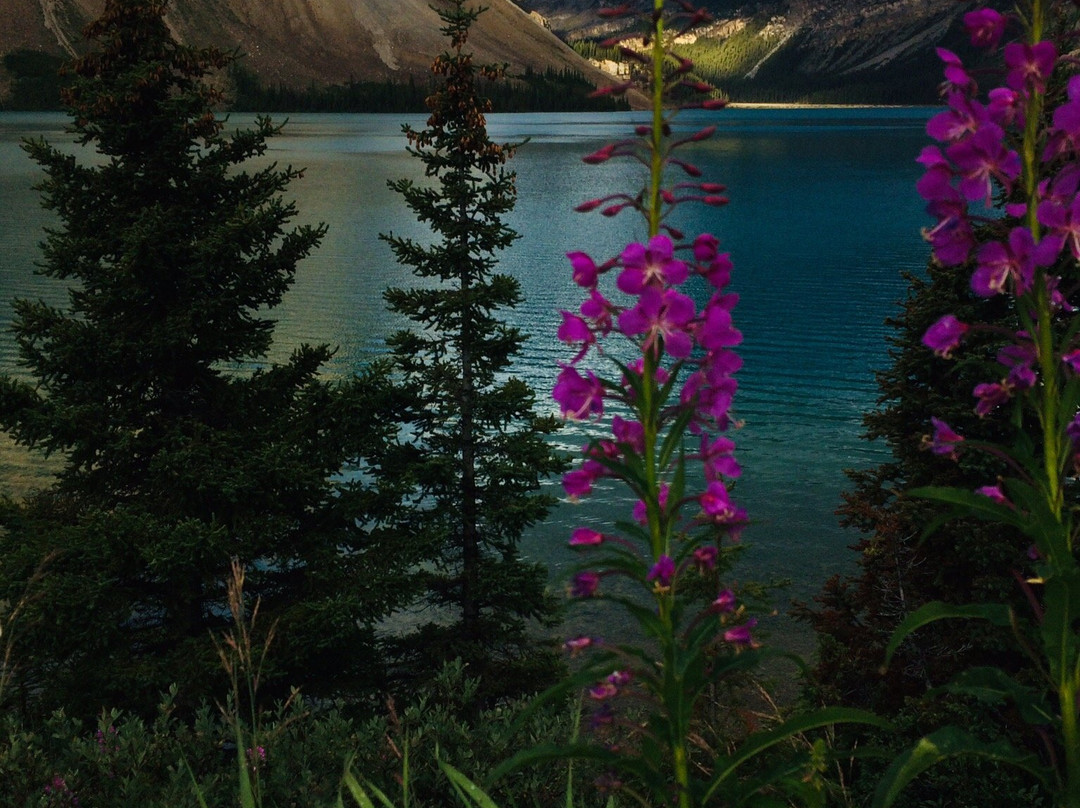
point(181, 446)
point(474, 449)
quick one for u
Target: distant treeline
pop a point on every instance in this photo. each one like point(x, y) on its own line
point(36, 82)
point(550, 91)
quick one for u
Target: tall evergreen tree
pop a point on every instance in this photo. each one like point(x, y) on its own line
point(474, 449)
point(175, 456)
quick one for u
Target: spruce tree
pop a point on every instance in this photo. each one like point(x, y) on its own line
point(473, 451)
point(182, 446)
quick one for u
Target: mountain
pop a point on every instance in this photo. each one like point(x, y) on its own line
point(878, 51)
point(297, 42)
point(824, 50)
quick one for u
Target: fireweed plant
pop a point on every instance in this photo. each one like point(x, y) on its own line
point(670, 408)
point(1003, 187)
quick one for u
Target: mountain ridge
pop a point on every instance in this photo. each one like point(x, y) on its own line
point(879, 51)
point(299, 42)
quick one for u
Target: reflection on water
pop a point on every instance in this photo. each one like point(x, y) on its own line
point(822, 222)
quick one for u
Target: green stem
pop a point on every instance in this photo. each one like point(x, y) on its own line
point(1071, 739)
point(650, 421)
point(656, 164)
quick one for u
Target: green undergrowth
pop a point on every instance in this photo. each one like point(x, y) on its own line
point(125, 762)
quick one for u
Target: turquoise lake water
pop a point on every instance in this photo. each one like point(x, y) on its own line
point(823, 221)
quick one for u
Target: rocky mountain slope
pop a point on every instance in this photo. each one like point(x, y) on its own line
point(874, 50)
point(296, 42)
point(804, 50)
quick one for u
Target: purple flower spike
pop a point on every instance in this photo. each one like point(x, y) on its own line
point(944, 440)
point(662, 571)
point(945, 335)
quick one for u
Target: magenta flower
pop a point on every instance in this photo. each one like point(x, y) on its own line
point(963, 117)
point(706, 248)
point(1073, 429)
point(990, 396)
point(944, 440)
point(652, 265)
point(578, 644)
point(661, 315)
point(662, 571)
point(1005, 107)
point(724, 603)
point(985, 26)
point(628, 433)
point(599, 309)
point(740, 635)
point(982, 158)
point(944, 336)
point(715, 329)
point(586, 537)
point(584, 585)
point(1072, 360)
point(574, 330)
point(1013, 261)
point(1029, 65)
point(585, 270)
point(718, 457)
point(995, 493)
point(705, 557)
point(578, 396)
point(603, 690)
point(718, 507)
point(955, 73)
point(1063, 221)
point(641, 513)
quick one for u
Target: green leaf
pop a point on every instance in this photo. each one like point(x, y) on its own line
point(995, 686)
point(759, 742)
point(996, 613)
point(468, 792)
point(194, 783)
point(944, 743)
point(972, 504)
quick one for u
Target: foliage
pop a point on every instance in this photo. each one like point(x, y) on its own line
point(36, 80)
point(472, 450)
point(123, 761)
point(669, 396)
point(531, 91)
point(181, 447)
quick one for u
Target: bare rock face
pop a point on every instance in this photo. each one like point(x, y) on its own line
point(295, 42)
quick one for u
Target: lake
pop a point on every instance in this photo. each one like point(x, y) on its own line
point(823, 221)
